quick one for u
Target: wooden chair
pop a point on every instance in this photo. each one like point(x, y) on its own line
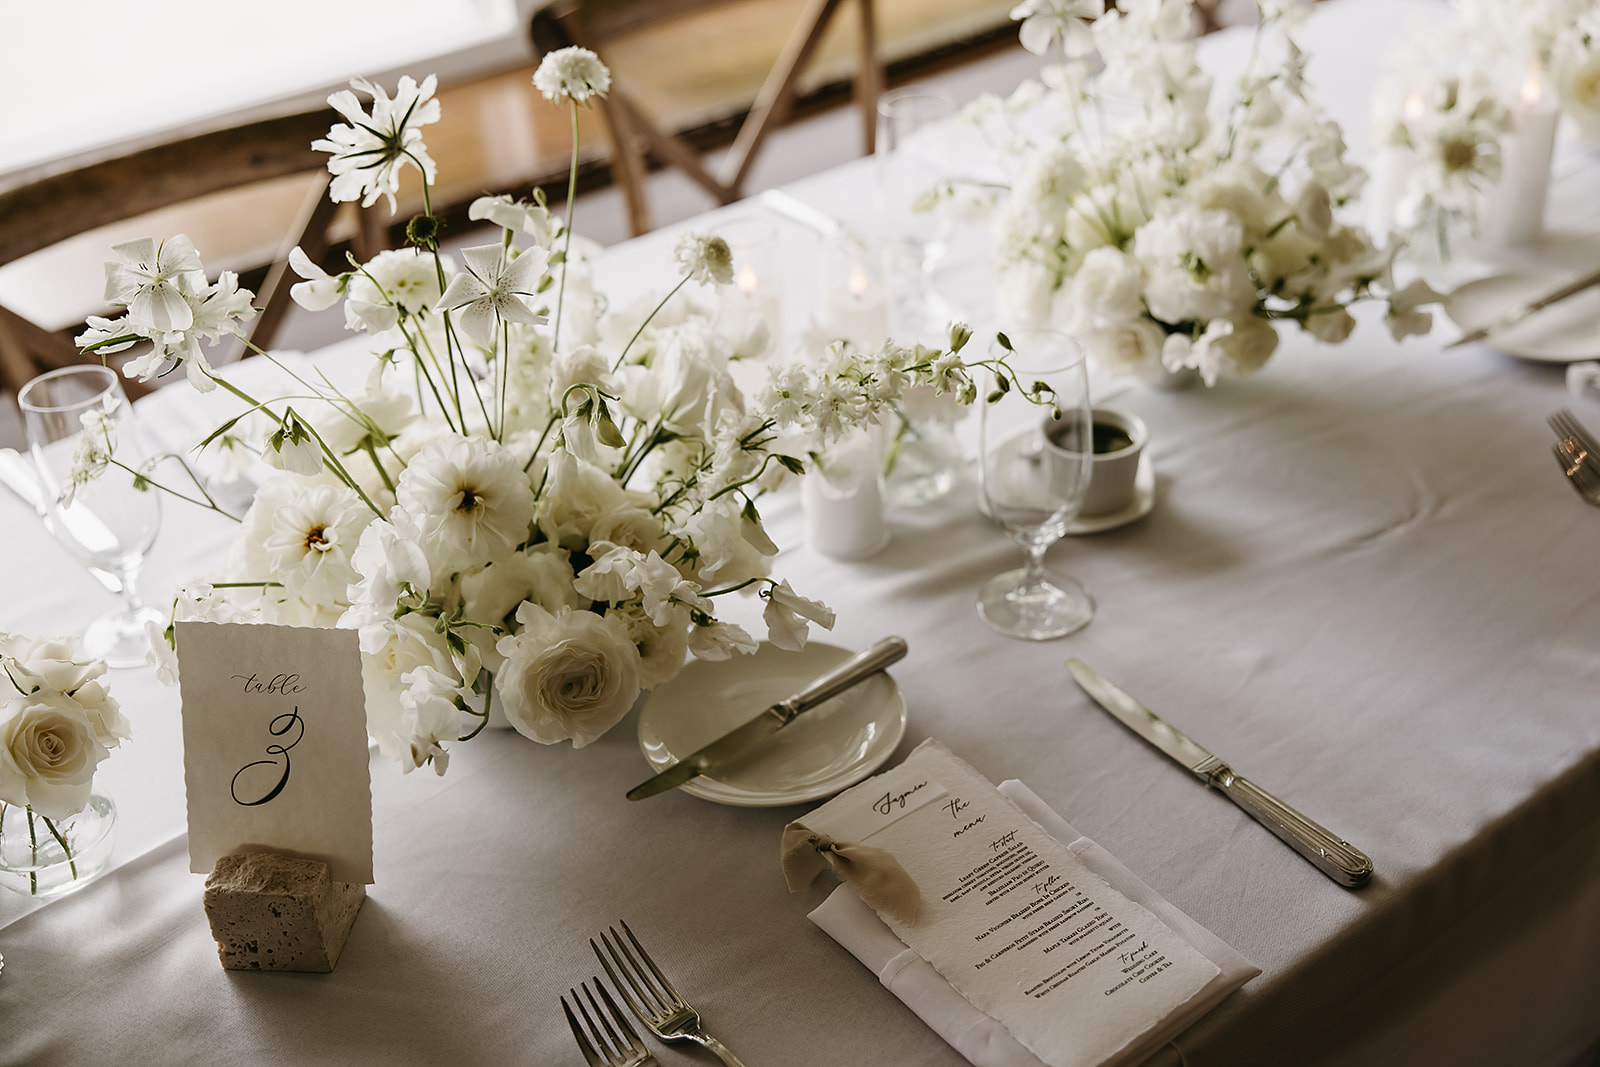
point(634, 133)
point(44, 210)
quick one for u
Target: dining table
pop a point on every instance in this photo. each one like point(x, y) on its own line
point(1363, 582)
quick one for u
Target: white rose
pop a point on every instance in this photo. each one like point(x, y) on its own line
point(48, 753)
point(573, 675)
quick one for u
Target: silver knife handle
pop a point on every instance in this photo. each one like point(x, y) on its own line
point(1336, 858)
point(869, 661)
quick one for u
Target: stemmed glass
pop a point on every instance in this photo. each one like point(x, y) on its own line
point(1036, 454)
point(106, 522)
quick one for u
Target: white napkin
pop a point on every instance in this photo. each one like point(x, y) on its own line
point(977, 1036)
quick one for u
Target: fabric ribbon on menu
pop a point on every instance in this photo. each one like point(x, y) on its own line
point(873, 873)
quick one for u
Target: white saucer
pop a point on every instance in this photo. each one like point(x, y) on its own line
point(1144, 498)
point(825, 750)
point(1564, 332)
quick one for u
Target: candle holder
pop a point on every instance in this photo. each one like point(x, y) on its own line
point(855, 301)
point(757, 289)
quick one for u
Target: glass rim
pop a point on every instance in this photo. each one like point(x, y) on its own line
point(889, 97)
point(108, 375)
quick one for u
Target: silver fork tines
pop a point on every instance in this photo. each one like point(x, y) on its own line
point(602, 1044)
point(1581, 469)
point(650, 996)
point(1566, 425)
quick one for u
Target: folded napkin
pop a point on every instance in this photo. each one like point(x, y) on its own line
point(981, 1039)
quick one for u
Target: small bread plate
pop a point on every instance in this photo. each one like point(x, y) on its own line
point(1144, 499)
point(1564, 332)
point(827, 749)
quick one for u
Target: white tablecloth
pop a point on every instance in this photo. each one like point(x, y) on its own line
point(1364, 584)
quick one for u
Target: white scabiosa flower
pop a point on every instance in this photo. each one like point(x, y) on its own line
point(574, 74)
point(705, 257)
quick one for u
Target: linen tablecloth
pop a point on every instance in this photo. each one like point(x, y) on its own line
point(1365, 584)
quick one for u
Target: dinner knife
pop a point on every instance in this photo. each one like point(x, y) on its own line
point(851, 671)
point(1505, 322)
point(1336, 858)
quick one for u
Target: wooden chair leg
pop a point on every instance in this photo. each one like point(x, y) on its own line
point(310, 232)
point(870, 77)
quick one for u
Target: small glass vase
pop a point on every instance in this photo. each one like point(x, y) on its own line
point(44, 858)
point(922, 461)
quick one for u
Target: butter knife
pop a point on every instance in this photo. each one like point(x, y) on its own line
point(853, 670)
point(1505, 322)
point(1336, 858)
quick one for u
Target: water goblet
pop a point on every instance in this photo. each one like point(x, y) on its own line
point(106, 522)
point(1036, 455)
point(915, 149)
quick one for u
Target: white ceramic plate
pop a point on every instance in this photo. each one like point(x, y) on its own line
point(1144, 498)
point(1564, 332)
point(829, 748)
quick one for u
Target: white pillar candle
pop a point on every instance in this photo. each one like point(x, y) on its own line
point(843, 500)
point(856, 310)
point(1518, 216)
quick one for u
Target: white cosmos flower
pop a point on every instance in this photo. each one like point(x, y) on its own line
point(470, 499)
point(786, 614)
point(573, 74)
point(313, 538)
point(706, 258)
point(146, 281)
point(492, 289)
point(568, 676)
point(369, 153)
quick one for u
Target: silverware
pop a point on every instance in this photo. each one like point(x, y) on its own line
point(1336, 858)
point(1505, 322)
point(602, 1044)
point(17, 475)
point(1579, 467)
point(1566, 424)
point(658, 1005)
point(853, 670)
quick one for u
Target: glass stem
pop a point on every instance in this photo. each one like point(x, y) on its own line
point(1033, 567)
point(130, 591)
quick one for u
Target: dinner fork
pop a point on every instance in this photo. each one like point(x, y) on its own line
point(1567, 427)
point(658, 1005)
point(601, 1044)
point(1580, 469)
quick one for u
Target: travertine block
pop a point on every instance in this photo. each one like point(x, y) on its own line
point(271, 912)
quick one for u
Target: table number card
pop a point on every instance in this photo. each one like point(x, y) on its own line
point(1013, 919)
point(275, 745)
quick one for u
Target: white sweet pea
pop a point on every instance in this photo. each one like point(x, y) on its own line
point(320, 290)
point(720, 640)
point(292, 447)
point(494, 289)
point(518, 216)
point(146, 281)
point(786, 614)
point(431, 707)
point(1404, 316)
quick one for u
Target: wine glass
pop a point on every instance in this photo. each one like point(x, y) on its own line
point(914, 150)
point(1036, 454)
point(107, 523)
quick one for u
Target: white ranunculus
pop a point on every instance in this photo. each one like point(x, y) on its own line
point(470, 498)
point(786, 615)
point(48, 753)
point(1194, 265)
point(542, 574)
point(313, 538)
point(1106, 289)
point(1132, 348)
point(568, 676)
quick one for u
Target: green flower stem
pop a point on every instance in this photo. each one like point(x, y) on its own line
point(422, 369)
point(647, 320)
point(72, 863)
point(735, 588)
point(572, 211)
point(207, 503)
point(372, 453)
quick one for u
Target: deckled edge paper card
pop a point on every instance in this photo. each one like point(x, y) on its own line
point(275, 745)
point(1012, 919)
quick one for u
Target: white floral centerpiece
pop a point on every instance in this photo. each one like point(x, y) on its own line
point(1171, 239)
point(58, 721)
point(534, 501)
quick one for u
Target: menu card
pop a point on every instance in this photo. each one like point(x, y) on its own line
point(275, 745)
point(1013, 920)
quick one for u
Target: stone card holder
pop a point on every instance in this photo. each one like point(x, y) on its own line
point(271, 912)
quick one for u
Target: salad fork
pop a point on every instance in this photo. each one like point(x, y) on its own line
point(1568, 428)
point(658, 1005)
point(602, 1044)
point(1580, 468)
